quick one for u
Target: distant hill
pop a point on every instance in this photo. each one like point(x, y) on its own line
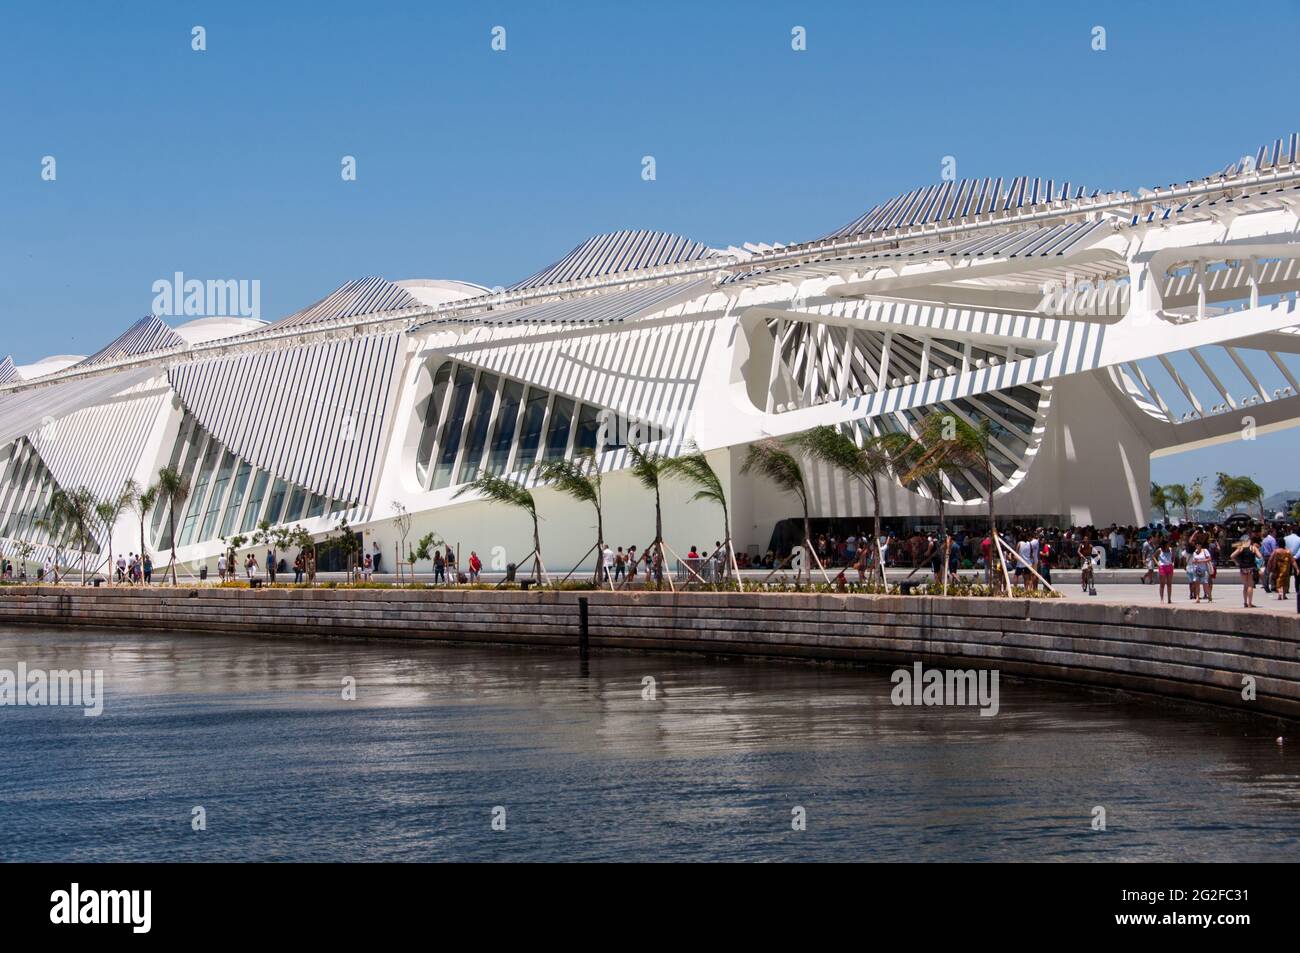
point(1278, 500)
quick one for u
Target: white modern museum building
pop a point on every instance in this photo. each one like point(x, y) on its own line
point(1092, 330)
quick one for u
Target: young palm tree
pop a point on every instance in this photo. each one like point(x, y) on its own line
point(143, 502)
point(1186, 498)
point(947, 444)
point(503, 490)
point(693, 467)
point(772, 459)
point(877, 457)
point(648, 468)
point(1160, 500)
point(1234, 490)
point(580, 479)
point(77, 510)
point(54, 522)
point(108, 512)
point(173, 488)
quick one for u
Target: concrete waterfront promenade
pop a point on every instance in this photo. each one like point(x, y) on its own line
point(1191, 653)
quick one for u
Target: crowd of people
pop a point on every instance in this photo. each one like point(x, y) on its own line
point(1266, 555)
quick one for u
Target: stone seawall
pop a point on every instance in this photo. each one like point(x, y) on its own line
point(1198, 655)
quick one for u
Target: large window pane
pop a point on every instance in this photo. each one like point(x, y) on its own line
point(217, 497)
point(255, 501)
point(584, 441)
point(236, 499)
point(512, 392)
point(297, 500)
point(557, 434)
point(199, 493)
point(449, 442)
point(478, 428)
point(531, 435)
point(432, 409)
point(275, 506)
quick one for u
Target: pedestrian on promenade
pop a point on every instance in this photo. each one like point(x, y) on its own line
point(475, 566)
point(1085, 563)
point(250, 566)
point(1165, 571)
point(632, 560)
point(1200, 563)
point(620, 565)
point(1268, 546)
point(299, 563)
point(439, 568)
point(1148, 561)
point(606, 563)
point(221, 567)
point(1280, 567)
point(147, 564)
point(1246, 556)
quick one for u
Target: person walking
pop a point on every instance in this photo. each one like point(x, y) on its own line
point(1280, 567)
point(1268, 546)
point(475, 566)
point(299, 564)
point(250, 566)
point(439, 568)
point(1200, 564)
point(1148, 561)
point(606, 563)
point(147, 569)
point(1085, 563)
point(1246, 556)
point(221, 567)
point(620, 565)
point(1165, 571)
point(632, 560)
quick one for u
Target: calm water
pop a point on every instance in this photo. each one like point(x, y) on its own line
point(256, 732)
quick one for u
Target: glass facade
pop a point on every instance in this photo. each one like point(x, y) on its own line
point(229, 494)
point(476, 420)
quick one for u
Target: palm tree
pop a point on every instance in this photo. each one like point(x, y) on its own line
point(143, 502)
point(109, 511)
point(1184, 497)
point(1160, 501)
point(506, 491)
point(580, 479)
point(173, 488)
point(1239, 490)
point(76, 512)
point(877, 457)
point(772, 459)
point(946, 444)
point(648, 468)
point(54, 522)
point(693, 467)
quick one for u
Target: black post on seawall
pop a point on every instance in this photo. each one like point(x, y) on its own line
point(583, 641)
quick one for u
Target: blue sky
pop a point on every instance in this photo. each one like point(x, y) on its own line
point(485, 166)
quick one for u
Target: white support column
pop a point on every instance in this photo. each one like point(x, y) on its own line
point(846, 363)
point(810, 363)
point(1214, 378)
point(1253, 275)
point(1246, 373)
point(1187, 392)
point(777, 344)
point(1200, 289)
point(884, 359)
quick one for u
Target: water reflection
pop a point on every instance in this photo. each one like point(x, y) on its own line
point(258, 732)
